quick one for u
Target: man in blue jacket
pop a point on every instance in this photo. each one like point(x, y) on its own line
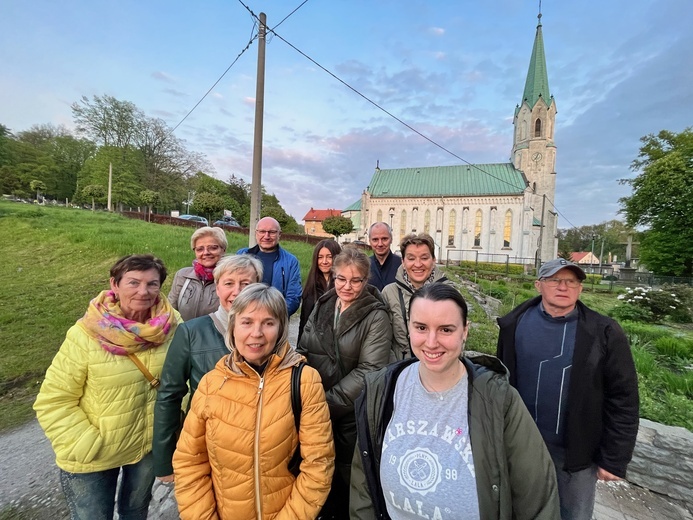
point(574, 370)
point(280, 268)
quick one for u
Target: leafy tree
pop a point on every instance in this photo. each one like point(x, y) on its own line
point(338, 225)
point(150, 198)
point(95, 191)
point(127, 164)
point(613, 234)
point(107, 121)
point(662, 200)
point(208, 204)
point(37, 186)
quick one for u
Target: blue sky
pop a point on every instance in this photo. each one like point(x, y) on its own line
point(453, 70)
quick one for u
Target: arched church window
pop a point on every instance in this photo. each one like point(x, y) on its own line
point(523, 132)
point(507, 228)
point(477, 229)
point(451, 227)
point(402, 225)
point(537, 128)
point(379, 216)
point(427, 222)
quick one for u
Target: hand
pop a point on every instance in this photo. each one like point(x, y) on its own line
point(604, 475)
point(167, 479)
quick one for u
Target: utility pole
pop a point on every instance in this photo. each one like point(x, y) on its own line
point(255, 185)
point(592, 257)
point(110, 184)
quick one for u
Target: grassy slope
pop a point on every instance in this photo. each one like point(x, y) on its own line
point(54, 261)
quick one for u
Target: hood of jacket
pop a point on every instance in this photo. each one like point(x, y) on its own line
point(283, 357)
point(438, 276)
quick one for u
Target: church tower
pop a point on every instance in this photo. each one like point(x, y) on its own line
point(534, 151)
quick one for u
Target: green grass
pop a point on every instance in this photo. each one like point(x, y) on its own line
point(663, 353)
point(54, 261)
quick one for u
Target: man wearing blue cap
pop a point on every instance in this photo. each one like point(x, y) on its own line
point(575, 372)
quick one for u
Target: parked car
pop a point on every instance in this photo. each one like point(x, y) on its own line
point(227, 222)
point(195, 218)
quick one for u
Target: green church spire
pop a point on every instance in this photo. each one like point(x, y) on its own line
point(537, 84)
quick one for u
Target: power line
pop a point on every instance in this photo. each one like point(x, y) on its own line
point(250, 41)
point(404, 123)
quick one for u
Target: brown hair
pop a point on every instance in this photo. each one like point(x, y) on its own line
point(316, 280)
point(416, 240)
point(353, 256)
point(137, 263)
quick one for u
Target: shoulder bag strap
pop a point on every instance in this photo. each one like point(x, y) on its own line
point(153, 381)
point(404, 314)
point(297, 408)
point(182, 292)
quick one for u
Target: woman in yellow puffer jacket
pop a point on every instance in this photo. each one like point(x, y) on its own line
point(96, 403)
point(233, 455)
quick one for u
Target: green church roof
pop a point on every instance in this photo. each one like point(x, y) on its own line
point(356, 206)
point(537, 83)
point(448, 181)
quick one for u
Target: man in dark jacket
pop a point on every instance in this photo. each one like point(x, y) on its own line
point(574, 370)
point(280, 268)
point(384, 262)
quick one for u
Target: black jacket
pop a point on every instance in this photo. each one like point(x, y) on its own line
point(603, 403)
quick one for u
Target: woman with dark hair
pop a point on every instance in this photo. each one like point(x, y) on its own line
point(347, 335)
point(96, 403)
point(446, 435)
point(319, 279)
point(232, 459)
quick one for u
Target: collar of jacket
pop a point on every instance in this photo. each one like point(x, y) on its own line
point(438, 276)
point(282, 358)
point(369, 300)
point(256, 249)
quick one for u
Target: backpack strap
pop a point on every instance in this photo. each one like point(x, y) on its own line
point(404, 317)
point(296, 404)
point(297, 408)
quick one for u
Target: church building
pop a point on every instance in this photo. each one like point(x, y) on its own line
point(498, 212)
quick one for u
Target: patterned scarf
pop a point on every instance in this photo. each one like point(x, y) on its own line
point(205, 274)
point(430, 279)
point(118, 335)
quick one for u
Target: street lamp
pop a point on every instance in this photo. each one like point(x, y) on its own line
point(392, 215)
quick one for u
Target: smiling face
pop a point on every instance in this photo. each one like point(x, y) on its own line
point(137, 292)
point(380, 240)
point(231, 284)
point(418, 262)
point(267, 234)
point(255, 334)
point(559, 300)
point(437, 333)
point(208, 251)
point(325, 261)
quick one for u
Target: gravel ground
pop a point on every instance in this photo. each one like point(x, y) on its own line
point(29, 479)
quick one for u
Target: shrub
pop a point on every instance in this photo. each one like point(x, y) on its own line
point(625, 312)
point(661, 303)
point(674, 348)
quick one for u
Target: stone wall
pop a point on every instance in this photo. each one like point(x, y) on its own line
point(663, 461)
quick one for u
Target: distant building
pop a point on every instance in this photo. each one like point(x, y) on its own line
point(584, 258)
point(490, 212)
point(354, 213)
point(312, 222)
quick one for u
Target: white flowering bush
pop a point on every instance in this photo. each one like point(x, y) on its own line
point(648, 304)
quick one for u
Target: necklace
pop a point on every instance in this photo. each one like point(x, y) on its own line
point(428, 387)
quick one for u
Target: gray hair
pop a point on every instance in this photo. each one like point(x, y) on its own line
point(266, 297)
point(232, 263)
point(214, 232)
point(387, 226)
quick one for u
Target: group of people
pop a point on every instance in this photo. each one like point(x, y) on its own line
point(376, 412)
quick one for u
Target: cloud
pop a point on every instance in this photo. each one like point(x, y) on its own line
point(163, 76)
point(436, 31)
point(175, 93)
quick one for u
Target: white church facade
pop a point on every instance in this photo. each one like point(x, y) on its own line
point(498, 212)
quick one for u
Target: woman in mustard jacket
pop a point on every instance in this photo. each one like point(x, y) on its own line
point(96, 403)
point(233, 455)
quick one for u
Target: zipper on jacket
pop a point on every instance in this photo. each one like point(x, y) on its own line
point(224, 381)
point(256, 451)
point(283, 281)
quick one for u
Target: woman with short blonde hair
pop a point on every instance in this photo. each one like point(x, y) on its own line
point(195, 350)
point(192, 291)
point(233, 457)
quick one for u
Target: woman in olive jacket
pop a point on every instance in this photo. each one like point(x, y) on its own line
point(348, 335)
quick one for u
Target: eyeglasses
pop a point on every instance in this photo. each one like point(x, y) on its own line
point(209, 249)
point(354, 282)
point(571, 283)
point(270, 232)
